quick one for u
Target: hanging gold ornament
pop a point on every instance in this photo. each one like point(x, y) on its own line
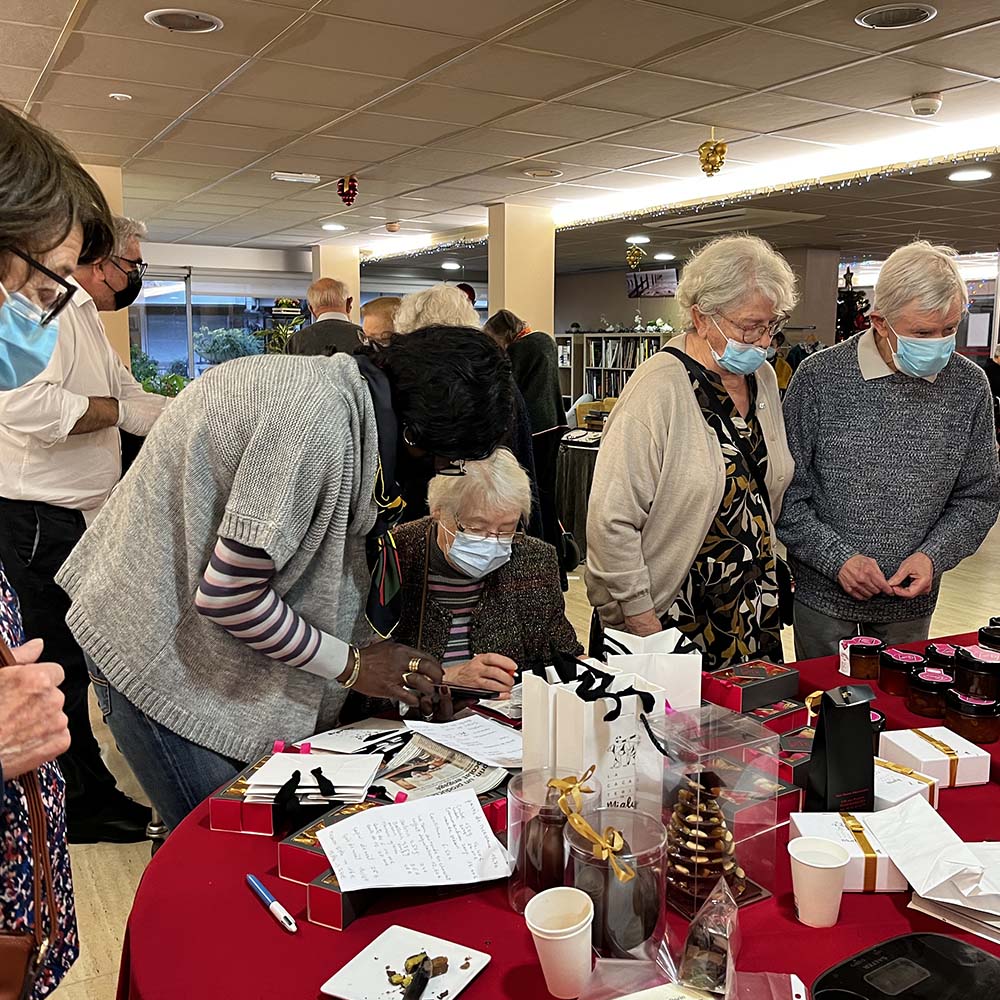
point(633, 255)
point(712, 154)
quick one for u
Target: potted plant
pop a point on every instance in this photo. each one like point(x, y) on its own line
point(216, 346)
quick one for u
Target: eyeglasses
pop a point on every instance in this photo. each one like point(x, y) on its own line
point(55, 301)
point(507, 537)
point(756, 332)
point(138, 264)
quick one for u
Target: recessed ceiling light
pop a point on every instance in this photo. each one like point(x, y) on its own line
point(180, 19)
point(663, 256)
point(451, 265)
point(294, 178)
point(120, 97)
point(636, 239)
point(896, 15)
point(333, 227)
point(542, 173)
point(970, 174)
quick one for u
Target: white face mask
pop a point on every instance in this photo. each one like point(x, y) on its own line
point(476, 556)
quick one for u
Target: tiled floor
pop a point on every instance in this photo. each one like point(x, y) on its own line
point(106, 875)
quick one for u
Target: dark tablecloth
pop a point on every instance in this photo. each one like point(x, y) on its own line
point(574, 475)
point(197, 932)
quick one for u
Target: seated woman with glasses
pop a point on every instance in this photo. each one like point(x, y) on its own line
point(477, 594)
point(693, 466)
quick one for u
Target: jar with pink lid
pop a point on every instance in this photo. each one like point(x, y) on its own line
point(989, 636)
point(895, 667)
point(859, 657)
point(941, 654)
point(977, 672)
point(927, 691)
point(974, 719)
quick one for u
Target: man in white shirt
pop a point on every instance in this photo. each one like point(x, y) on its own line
point(60, 458)
point(331, 330)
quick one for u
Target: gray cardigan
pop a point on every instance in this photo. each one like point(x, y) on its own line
point(275, 452)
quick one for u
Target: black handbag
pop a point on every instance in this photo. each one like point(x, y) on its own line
point(568, 550)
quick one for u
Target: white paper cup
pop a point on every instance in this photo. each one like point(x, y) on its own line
point(818, 870)
point(559, 920)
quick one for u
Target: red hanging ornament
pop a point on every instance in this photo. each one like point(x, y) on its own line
point(347, 188)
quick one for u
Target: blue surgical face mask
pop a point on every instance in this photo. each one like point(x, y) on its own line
point(922, 357)
point(476, 556)
point(25, 345)
point(772, 353)
point(740, 359)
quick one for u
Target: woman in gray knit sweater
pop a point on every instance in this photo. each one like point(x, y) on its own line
point(229, 592)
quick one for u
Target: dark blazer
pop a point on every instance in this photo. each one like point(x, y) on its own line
point(520, 612)
point(326, 337)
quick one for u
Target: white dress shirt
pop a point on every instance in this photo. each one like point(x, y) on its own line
point(331, 314)
point(39, 460)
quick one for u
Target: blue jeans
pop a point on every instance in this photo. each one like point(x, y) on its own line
point(175, 773)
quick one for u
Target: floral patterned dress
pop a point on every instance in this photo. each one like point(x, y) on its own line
point(728, 605)
point(17, 905)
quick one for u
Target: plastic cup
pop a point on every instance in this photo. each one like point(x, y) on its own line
point(818, 870)
point(559, 920)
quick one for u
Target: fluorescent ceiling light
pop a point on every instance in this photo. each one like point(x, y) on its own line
point(333, 227)
point(663, 256)
point(294, 178)
point(972, 174)
point(117, 96)
point(925, 144)
point(636, 239)
point(450, 265)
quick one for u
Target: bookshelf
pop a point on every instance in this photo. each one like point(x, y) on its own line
point(610, 358)
point(569, 347)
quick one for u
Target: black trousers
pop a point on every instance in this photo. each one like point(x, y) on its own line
point(35, 540)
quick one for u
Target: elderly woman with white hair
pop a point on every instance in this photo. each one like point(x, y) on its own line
point(478, 594)
point(693, 466)
point(439, 305)
point(896, 477)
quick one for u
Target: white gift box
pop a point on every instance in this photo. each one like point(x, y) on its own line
point(939, 753)
point(652, 657)
point(895, 783)
point(869, 869)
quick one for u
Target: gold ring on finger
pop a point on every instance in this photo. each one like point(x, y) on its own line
point(414, 664)
point(410, 673)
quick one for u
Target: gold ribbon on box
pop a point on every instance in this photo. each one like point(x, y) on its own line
point(906, 771)
point(947, 751)
point(812, 705)
point(871, 860)
point(573, 789)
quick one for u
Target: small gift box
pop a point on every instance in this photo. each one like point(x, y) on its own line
point(301, 857)
point(766, 804)
point(938, 753)
point(869, 868)
point(782, 716)
point(328, 906)
point(748, 686)
point(894, 783)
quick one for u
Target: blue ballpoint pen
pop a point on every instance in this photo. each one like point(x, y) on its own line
point(280, 913)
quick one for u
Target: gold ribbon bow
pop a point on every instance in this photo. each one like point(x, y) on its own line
point(605, 847)
point(947, 751)
point(573, 788)
point(812, 704)
point(907, 771)
point(871, 860)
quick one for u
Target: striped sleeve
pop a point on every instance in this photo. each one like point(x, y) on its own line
point(236, 593)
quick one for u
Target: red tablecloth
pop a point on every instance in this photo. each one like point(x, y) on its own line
point(196, 931)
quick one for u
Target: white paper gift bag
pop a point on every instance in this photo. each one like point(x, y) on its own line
point(666, 659)
point(603, 726)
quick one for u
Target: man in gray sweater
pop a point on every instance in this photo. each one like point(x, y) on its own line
point(896, 475)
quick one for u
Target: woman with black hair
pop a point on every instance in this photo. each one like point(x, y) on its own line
point(237, 584)
point(51, 214)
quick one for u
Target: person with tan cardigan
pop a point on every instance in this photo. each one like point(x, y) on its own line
point(693, 465)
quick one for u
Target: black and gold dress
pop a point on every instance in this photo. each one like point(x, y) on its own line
point(728, 605)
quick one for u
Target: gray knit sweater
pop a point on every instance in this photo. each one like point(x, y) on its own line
point(885, 468)
point(275, 452)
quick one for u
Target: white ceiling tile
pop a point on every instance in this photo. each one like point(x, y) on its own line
point(763, 148)
point(623, 180)
point(84, 143)
point(25, 45)
point(139, 208)
point(251, 111)
point(962, 105)
point(975, 51)
point(147, 62)
point(51, 13)
point(399, 171)
point(89, 91)
point(16, 83)
point(390, 128)
point(862, 126)
point(674, 137)
point(505, 70)
point(353, 149)
point(454, 161)
point(623, 32)
point(456, 17)
point(638, 92)
point(570, 121)
point(876, 83)
point(766, 113)
point(234, 136)
point(501, 142)
point(156, 170)
point(185, 152)
point(515, 172)
point(102, 159)
point(685, 166)
point(327, 88)
point(346, 44)
point(603, 154)
point(107, 121)
point(449, 104)
point(747, 11)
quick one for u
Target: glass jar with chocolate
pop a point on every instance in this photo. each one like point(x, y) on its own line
point(895, 667)
point(863, 656)
point(941, 654)
point(878, 728)
point(989, 636)
point(977, 672)
point(974, 719)
point(927, 691)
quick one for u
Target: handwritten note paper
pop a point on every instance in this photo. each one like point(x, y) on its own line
point(477, 737)
point(440, 840)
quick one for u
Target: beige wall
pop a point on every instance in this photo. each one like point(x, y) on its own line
point(522, 251)
point(817, 274)
point(331, 260)
point(584, 298)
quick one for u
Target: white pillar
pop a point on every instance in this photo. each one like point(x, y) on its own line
point(334, 260)
point(522, 261)
point(817, 271)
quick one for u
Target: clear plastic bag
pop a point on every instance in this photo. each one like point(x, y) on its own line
point(708, 961)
